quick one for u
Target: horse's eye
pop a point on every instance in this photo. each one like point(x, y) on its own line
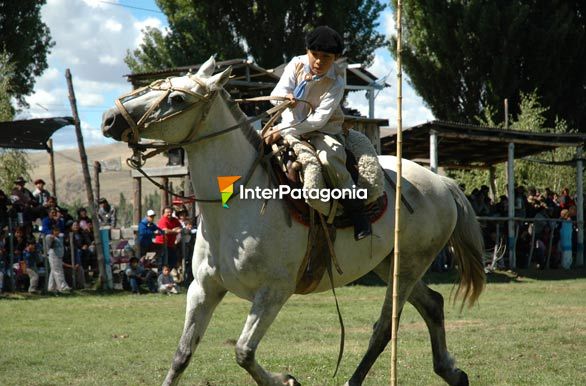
point(176, 99)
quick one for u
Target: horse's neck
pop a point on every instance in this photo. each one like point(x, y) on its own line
point(229, 154)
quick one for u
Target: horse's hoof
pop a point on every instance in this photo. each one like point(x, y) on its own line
point(463, 381)
point(291, 381)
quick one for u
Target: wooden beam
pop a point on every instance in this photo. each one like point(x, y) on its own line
point(165, 171)
point(496, 138)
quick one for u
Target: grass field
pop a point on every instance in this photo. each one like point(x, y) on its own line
point(525, 331)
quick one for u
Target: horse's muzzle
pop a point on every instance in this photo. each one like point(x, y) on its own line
point(114, 124)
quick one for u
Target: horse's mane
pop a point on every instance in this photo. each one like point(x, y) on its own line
point(252, 136)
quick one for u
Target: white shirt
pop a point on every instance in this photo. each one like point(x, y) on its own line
point(328, 103)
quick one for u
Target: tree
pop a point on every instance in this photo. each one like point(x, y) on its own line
point(27, 40)
point(6, 72)
point(269, 31)
point(13, 162)
point(464, 56)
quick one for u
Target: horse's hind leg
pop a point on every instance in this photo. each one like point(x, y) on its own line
point(203, 296)
point(381, 334)
point(266, 305)
point(430, 305)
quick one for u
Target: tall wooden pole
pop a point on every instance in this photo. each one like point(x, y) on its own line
point(52, 167)
point(397, 249)
point(102, 282)
point(97, 170)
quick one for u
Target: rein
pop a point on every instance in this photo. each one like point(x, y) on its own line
point(140, 154)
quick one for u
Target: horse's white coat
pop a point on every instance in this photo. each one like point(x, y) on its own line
point(256, 256)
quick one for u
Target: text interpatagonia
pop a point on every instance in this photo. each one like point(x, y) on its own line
point(325, 195)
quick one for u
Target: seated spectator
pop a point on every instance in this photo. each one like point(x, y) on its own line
point(83, 216)
point(106, 214)
point(84, 250)
point(55, 254)
point(40, 194)
point(166, 283)
point(19, 242)
point(565, 200)
point(53, 219)
point(138, 275)
point(28, 265)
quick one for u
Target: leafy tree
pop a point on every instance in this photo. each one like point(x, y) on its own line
point(124, 212)
point(464, 56)
point(27, 40)
point(151, 201)
point(13, 162)
point(6, 72)
point(269, 31)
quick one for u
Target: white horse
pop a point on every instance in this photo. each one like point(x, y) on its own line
point(257, 256)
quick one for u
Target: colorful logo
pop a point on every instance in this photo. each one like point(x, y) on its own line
point(226, 184)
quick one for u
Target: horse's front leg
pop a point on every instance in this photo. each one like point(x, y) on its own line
point(266, 305)
point(203, 296)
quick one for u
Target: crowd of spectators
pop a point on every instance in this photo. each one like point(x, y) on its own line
point(545, 228)
point(43, 245)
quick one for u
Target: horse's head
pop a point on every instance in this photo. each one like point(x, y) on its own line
point(169, 109)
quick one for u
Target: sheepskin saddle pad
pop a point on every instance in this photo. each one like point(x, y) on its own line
point(299, 167)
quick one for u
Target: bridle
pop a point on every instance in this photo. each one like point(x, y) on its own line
point(140, 154)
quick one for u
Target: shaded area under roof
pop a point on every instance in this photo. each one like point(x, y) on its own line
point(31, 133)
point(461, 145)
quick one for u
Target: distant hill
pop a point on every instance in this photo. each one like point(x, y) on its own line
point(69, 175)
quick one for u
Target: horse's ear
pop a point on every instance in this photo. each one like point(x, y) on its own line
point(219, 80)
point(207, 69)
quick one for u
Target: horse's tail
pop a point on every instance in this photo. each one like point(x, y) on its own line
point(468, 247)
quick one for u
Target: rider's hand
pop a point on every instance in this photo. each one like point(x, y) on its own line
point(292, 99)
point(272, 136)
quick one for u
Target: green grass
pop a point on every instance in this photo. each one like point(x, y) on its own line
point(525, 331)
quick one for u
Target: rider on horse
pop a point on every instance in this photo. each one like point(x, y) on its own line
point(316, 78)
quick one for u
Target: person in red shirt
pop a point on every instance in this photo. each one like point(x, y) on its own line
point(171, 227)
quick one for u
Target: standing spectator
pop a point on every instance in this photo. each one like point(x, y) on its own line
point(170, 227)
point(147, 230)
point(4, 203)
point(566, 230)
point(21, 196)
point(106, 213)
point(40, 194)
point(137, 275)
point(3, 259)
point(55, 253)
point(520, 202)
point(166, 283)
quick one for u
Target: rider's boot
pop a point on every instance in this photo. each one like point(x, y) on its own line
point(355, 210)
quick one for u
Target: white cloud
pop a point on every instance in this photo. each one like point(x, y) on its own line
point(414, 110)
point(91, 39)
point(113, 25)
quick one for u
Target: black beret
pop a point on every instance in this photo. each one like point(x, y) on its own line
point(324, 39)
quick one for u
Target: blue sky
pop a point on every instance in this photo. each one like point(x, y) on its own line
point(92, 37)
